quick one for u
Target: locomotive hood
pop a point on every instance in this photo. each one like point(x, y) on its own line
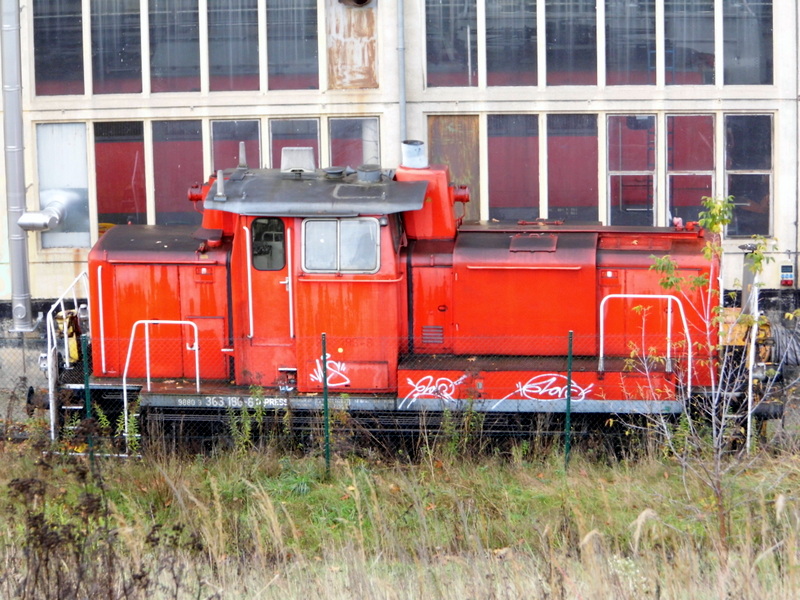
point(268, 192)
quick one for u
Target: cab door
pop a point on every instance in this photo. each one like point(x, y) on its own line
point(264, 344)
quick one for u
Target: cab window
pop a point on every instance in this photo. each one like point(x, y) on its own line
point(341, 245)
point(268, 244)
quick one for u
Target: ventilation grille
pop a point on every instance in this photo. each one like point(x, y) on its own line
point(432, 334)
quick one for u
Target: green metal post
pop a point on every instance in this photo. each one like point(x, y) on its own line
point(568, 412)
point(325, 409)
point(87, 393)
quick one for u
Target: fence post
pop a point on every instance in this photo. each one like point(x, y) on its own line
point(568, 411)
point(325, 408)
point(87, 393)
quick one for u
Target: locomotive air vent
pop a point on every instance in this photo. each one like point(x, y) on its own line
point(355, 2)
point(432, 334)
point(297, 161)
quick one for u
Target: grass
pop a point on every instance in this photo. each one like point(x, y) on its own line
point(270, 525)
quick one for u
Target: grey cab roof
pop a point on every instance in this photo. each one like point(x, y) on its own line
point(268, 192)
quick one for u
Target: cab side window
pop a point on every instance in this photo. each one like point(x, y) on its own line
point(269, 252)
point(341, 245)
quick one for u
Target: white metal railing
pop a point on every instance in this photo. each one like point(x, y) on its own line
point(195, 347)
point(670, 300)
point(55, 338)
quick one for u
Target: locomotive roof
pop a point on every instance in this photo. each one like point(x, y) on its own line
point(268, 192)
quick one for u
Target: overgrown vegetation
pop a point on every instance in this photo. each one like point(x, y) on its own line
point(512, 524)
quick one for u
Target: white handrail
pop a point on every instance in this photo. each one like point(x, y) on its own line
point(52, 342)
point(147, 322)
point(670, 299)
point(249, 253)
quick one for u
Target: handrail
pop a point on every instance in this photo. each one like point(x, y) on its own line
point(147, 322)
point(53, 341)
point(249, 253)
point(670, 299)
point(101, 318)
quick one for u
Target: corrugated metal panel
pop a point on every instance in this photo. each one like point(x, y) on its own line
point(453, 140)
point(352, 46)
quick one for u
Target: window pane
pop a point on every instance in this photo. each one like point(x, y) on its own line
point(690, 142)
point(751, 197)
point(58, 47)
point(571, 42)
point(292, 44)
point(689, 32)
point(451, 42)
point(359, 245)
point(119, 165)
point(293, 133)
point(116, 47)
point(355, 142)
point(686, 193)
point(174, 46)
point(64, 179)
point(225, 138)
point(631, 198)
point(513, 167)
point(631, 42)
point(631, 143)
point(319, 249)
point(233, 44)
point(748, 42)
point(572, 167)
point(748, 142)
point(511, 42)
point(178, 164)
point(268, 245)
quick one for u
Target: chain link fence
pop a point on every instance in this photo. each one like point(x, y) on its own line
point(366, 394)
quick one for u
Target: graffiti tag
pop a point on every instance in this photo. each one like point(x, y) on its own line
point(442, 388)
point(549, 386)
point(336, 372)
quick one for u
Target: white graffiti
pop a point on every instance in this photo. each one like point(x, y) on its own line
point(442, 388)
point(336, 372)
point(549, 386)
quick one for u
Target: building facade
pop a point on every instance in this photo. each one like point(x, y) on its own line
point(627, 112)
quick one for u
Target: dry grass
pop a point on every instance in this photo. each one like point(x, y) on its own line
point(265, 525)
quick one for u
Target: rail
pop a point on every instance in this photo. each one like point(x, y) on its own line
point(146, 323)
point(54, 340)
point(670, 300)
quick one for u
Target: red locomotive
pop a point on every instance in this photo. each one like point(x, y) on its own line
point(420, 312)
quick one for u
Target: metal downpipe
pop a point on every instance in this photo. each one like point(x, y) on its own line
point(15, 166)
point(401, 67)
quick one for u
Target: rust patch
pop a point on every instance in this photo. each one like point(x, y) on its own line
point(352, 47)
point(453, 141)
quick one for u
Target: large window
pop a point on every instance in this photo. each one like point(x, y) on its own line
point(354, 142)
point(293, 133)
point(513, 167)
point(631, 169)
point(119, 172)
point(178, 164)
point(341, 245)
point(748, 165)
point(689, 52)
point(631, 42)
point(572, 167)
point(748, 42)
point(571, 42)
point(174, 46)
point(292, 45)
point(58, 47)
point(690, 164)
point(451, 28)
point(64, 181)
point(511, 42)
point(233, 44)
point(225, 139)
point(116, 47)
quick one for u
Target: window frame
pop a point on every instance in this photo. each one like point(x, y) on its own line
point(339, 270)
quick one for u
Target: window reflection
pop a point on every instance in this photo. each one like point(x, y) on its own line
point(293, 133)
point(689, 52)
point(451, 35)
point(269, 253)
point(511, 42)
point(690, 164)
point(233, 45)
point(630, 42)
point(178, 163)
point(225, 138)
point(355, 142)
point(572, 167)
point(116, 47)
point(119, 171)
point(748, 161)
point(748, 42)
point(292, 46)
point(174, 46)
point(513, 167)
point(58, 47)
point(571, 42)
point(631, 163)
